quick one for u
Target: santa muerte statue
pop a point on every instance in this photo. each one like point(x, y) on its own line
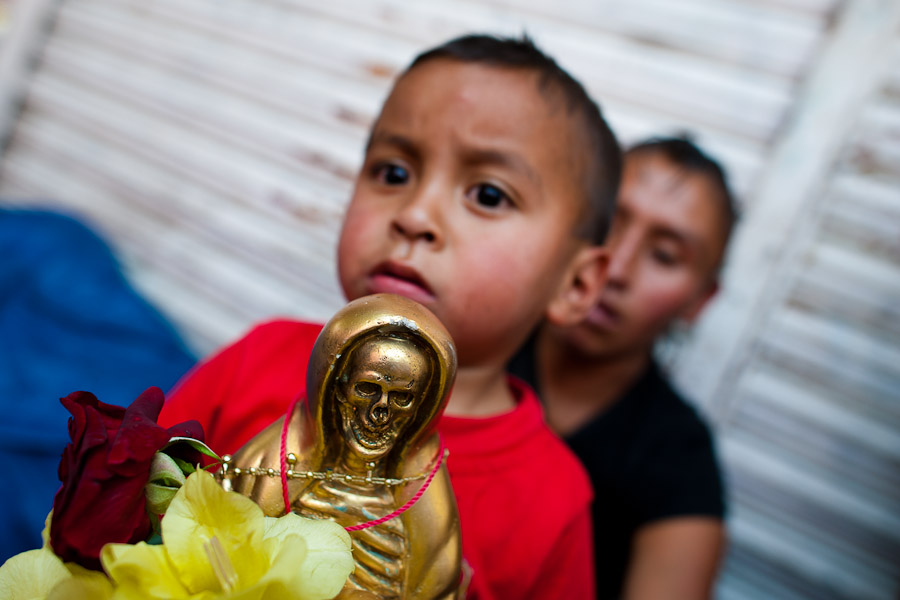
point(361, 449)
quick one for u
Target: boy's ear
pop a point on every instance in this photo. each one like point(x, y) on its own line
point(581, 287)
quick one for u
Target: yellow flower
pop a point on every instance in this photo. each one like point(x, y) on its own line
point(218, 544)
point(31, 574)
point(328, 557)
point(40, 574)
point(83, 585)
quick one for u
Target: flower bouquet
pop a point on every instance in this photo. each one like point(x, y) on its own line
point(138, 516)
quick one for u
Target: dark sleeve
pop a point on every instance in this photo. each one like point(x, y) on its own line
point(680, 475)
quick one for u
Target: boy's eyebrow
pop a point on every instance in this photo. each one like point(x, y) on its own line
point(674, 234)
point(503, 159)
point(473, 156)
point(684, 238)
point(391, 139)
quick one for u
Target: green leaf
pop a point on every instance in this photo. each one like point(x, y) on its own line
point(159, 497)
point(186, 467)
point(166, 480)
point(164, 470)
point(195, 444)
point(154, 524)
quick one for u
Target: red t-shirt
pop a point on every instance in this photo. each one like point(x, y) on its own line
point(523, 498)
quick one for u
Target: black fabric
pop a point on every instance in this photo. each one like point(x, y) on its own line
point(649, 456)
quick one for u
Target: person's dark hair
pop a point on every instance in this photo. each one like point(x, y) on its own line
point(687, 156)
point(605, 169)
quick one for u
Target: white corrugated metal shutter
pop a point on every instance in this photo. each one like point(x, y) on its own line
point(800, 364)
point(215, 141)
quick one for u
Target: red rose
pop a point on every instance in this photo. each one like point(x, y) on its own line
point(103, 473)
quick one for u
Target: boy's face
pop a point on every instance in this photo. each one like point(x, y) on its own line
point(666, 243)
point(467, 203)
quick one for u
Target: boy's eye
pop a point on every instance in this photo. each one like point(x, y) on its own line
point(664, 257)
point(391, 174)
point(489, 196)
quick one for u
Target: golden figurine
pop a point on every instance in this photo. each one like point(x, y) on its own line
point(363, 444)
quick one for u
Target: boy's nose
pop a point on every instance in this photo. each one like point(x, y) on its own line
point(419, 218)
point(622, 263)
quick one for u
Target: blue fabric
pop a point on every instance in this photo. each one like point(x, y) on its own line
point(68, 321)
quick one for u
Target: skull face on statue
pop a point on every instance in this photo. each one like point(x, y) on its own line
point(380, 388)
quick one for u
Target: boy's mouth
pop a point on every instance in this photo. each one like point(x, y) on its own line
point(603, 316)
point(397, 278)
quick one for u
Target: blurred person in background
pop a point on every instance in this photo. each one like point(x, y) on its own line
point(658, 494)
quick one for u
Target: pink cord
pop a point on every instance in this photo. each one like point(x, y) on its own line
point(283, 452)
point(366, 525)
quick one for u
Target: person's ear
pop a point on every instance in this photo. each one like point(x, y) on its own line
point(696, 307)
point(581, 287)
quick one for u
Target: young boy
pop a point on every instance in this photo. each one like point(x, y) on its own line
point(489, 177)
point(658, 503)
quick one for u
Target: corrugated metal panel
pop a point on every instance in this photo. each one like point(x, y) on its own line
point(809, 415)
point(215, 143)
point(22, 32)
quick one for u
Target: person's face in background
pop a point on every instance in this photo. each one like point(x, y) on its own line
point(666, 243)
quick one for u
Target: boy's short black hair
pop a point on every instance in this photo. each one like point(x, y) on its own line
point(604, 170)
point(687, 156)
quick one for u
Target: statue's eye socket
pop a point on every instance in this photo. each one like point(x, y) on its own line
point(367, 389)
point(401, 399)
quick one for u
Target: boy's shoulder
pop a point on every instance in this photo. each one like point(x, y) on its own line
point(517, 446)
point(239, 390)
point(519, 487)
point(271, 347)
point(551, 463)
point(282, 330)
